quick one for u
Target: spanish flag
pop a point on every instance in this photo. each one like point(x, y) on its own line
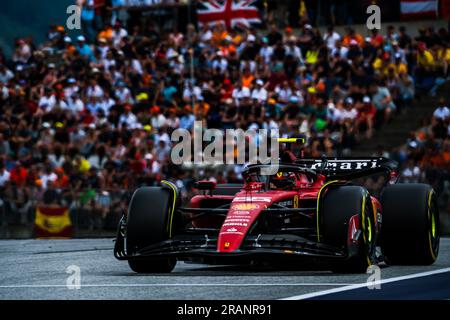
point(53, 222)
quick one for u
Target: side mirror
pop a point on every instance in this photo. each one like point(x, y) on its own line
point(205, 185)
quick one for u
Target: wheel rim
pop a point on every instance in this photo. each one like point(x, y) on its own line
point(367, 231)
point(433, 228)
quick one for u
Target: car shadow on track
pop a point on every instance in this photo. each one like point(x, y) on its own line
point(245, 270)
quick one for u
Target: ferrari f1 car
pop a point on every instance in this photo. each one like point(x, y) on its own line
point(325, 211)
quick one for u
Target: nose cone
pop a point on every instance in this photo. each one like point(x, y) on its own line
point(240, 218)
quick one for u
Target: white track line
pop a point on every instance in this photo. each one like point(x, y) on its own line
point(174, 285)
point(362, 285)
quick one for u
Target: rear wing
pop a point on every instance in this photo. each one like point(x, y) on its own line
point(349, 168)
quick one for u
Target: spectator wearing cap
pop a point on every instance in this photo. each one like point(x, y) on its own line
point(259, 93)
point(22, 53)
point(291, 49)
point(71, 87)
point(84, 49)
point(366, 114)
point(382, 64)
point(349, 113)
point(128, 118)
point(157, 118)
point(399, 66)
point(266, 51)
point(352, 35)
point(94, 89)
point(219, 62)
point(187, 118)
point(425, 68)
point(354, 50)
point(248, 49)
point(47, 101)
point(172, 120)
point(442, 112)
point(240, 92)
point(68, 47)
point(106, 103)
point(75, 103)
point(424, 57)
point(284, 92)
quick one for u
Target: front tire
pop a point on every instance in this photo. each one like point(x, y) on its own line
point(340, 204)
point(410, 229)
point(149, 222)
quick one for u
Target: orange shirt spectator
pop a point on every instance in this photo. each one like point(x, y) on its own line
point(62, 181)
point(201, 108)
point(247, 80)
point(106, 33)
point(433, 160)
point(219, 34)
point(355, 36)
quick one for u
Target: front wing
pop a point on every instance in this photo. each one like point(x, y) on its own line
point(261, 247)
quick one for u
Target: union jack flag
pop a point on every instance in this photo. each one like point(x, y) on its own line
point(228, 12)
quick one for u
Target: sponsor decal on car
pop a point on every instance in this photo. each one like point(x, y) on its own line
point(241, 212)
point(232, 230)
point(245, 206)
point(235, 224)
point(237, 220)
point(252, 199)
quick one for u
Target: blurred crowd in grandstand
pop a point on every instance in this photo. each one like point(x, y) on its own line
point(89, 118)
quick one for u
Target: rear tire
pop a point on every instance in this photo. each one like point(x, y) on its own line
point(410, 228)
point(339, 205)
point(148, 223)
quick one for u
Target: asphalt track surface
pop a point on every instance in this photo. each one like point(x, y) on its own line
point(36, 269)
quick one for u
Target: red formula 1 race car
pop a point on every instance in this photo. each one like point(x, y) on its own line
point(344, 213)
